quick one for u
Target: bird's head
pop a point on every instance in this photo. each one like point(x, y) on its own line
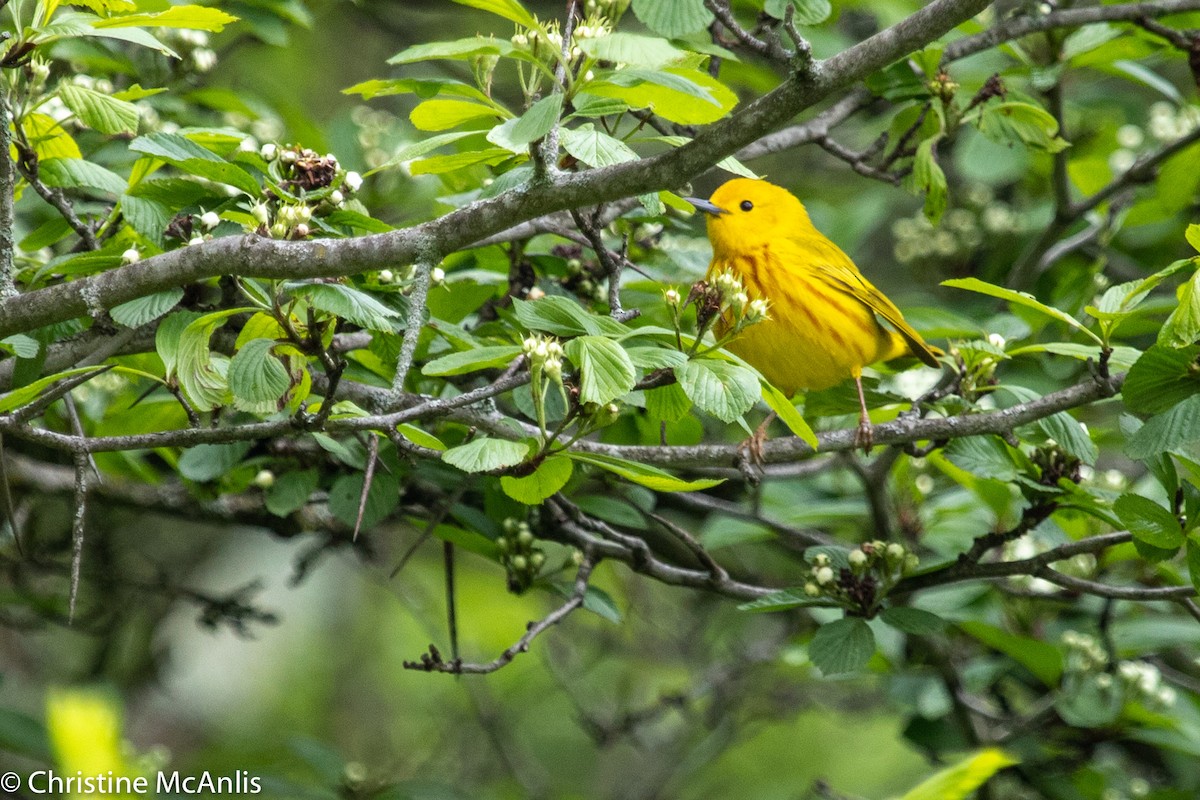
point(745, 213)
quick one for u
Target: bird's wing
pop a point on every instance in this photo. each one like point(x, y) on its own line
point(836, 269)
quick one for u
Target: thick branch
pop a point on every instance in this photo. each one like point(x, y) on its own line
point(255, 256)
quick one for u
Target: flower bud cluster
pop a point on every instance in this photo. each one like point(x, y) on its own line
point(319, 184)
point(1141, 680)
point(519, 554)
point(723, 297)
point(545, 355)
point(873, 568)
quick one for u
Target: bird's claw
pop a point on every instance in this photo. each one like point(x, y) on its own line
point(864, 436)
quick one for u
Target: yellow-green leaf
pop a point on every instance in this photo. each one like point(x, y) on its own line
point(959, 781)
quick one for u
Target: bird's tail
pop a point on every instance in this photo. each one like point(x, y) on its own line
point(900, 346)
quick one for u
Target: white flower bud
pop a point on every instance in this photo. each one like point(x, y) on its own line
point(269, 151)
point(204, 59)
point(303, 213)
point(535, 294)
point(672, 297)
point(895, 552)
point(811, 589)
point(857, 558)
point(196, 240)
point(248, 145)
point(288, 156)
point(301, 230)
point(104, 86)
point(437, 275)
point(996, 340)
point(821, 560)
point(209, 220)
point(279, 230)
point(336, 197)
point(352, 182)
point(131, 256)
point(261, 213)
point(529, 345)
point(265, 479)
point(519, 563)
point(824, 576)
point(386, 276)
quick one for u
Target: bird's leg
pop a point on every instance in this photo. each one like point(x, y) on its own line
point(863, 436)
point(752, 448)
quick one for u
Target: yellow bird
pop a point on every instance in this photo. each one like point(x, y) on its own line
point(824, 321)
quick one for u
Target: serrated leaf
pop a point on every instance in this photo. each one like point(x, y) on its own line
point(22, 346)
point(958, 782)
point(1070, 435)
point(1162, 433)
point(168, 335)
point(1182, 328)
point(517, 134)
point(843, 645)
point(257, 378)
point(193, 159)
point(347, 302)
point(441, 115)
point(643, 474)
point(984, 456)
point(596, 148)
point(98, 111)
point(550, 476)
point(1148, 521)
point(672, 18)
point(605, 371)
point(48, 137)
point(75, 173)
point(635, 49)
point(562, 316)
point(459, 49)
point(1020, 298)
point(724, 390)
point(808, 12)
point(678, 94)
point(485, 454)
point(668, 403)
point(439, 165)
point(509, 9)
point(137, 313)
point(929, 179)
point(1020, 123)
point(466, 361)
point(913, 620)
point(149, 218)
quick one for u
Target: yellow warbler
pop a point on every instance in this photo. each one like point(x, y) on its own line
point(824, 316)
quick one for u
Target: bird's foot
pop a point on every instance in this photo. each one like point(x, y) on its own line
point(864, 436)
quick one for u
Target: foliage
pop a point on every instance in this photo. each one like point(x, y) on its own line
point(491, 327)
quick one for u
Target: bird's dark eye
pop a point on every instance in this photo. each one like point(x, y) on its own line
point(747, 205)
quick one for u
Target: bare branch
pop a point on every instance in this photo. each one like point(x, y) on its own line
point(433, 662)
point(82, 467)
point(8, 183)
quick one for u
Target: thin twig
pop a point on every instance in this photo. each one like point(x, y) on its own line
point(8, 183)
point(416, 321)
point(82, 467)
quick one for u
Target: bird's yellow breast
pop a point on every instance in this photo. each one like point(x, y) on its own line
point(815, 336)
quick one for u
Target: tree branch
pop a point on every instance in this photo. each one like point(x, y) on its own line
point(255, 256)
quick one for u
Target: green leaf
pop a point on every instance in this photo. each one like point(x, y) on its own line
point(509, 9)
point(643, 474)
point(599, 602)
point(485, 454)
point(441, 115)
point(149, 218)
point(605, 370)
point(668, 403)
point(197, 18)
point(670, 18)
point(787, 412)
point(984, 456)
point(439, 165)
point(100, 112)
point(1148, 521)
point(913, 620)
point(808, 12)
point(75, 173)
point(595, 148)
point(635, 49)
point(195, 160)
point(1022, 299)
point(959, 782)
point(1192, 234)
point(257, 378)
point(550, 476)
point(678, 94)
point(347, 302)
point(1161, 378)
point(202, 373)
point(291, 491)
point(929, 179)
point(423, 88)
point(207, 462)
point(168, 336)
point(459, 49)
point(782, 600)
point(517, 134)
point(563, 316)
point(1043, 660)
point(420, 437)
point(1019, 123)
point(1167, 432)
point(843, 645)
point(345, 497)
point(724, 390)
point(1070, 435)
point(19, 397)
point(22, 346)
point(137, 313)
point(1182, 328)
point(472, 360)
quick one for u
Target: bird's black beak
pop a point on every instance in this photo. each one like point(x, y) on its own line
point(705, 206)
